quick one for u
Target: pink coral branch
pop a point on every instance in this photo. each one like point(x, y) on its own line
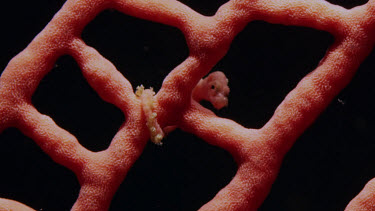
point(5, 204)
point(365, 199)
point(169, 12)
point(105, 79)
point(252, 152)
point(319, 14)
point(59, 144)
point(313, 94)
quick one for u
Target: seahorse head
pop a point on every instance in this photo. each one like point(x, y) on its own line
point(214, 88)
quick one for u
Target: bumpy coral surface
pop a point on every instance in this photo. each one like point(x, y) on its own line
point(258, 152)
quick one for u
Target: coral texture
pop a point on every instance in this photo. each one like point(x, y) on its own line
point(257, 152)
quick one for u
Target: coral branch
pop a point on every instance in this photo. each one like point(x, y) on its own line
point(252, 152)
point(6, 204)
point(59, 144)
point(217, 131)
point(101, 74)
point(168, 12)
point(365, 199)
point(313, 94)
point(319, 14)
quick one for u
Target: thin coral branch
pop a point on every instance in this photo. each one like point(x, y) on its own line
point(104, 78)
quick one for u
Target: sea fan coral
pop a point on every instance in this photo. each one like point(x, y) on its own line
point(329, 164)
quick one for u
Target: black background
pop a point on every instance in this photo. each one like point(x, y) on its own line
point(325, 169)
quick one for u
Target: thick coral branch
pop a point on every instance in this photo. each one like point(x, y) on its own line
point(94, 197)
point(99, 179)
point(169, 12)
point(317, 14)
point(175, 94)
point(252, 152)
point(220, 132)
point(313, 94)
point(245, 191)
point(59, 144)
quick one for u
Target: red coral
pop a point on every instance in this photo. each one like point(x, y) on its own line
point(258, 152)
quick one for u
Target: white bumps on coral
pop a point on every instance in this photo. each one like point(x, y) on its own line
point(148, 105)
point(214, 88)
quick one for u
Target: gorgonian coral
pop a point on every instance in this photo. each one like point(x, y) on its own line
point(257, 152)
